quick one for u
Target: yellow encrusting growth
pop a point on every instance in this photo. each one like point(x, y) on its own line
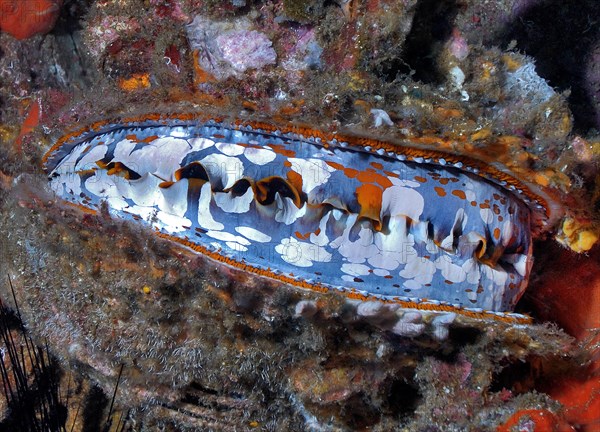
point(579, 237)
point(135, 82)
point(481, 134)
point(511, 63)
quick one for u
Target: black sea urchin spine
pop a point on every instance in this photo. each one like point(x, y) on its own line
point(30, 378)
point(31, 383)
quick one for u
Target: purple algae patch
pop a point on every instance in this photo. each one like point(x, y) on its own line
point(229, 48)
point(244, 49)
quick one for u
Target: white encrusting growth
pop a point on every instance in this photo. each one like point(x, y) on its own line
point(381, 117)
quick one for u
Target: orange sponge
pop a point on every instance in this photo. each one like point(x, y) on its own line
point(25, 18)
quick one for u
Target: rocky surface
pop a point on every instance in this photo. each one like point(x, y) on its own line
point(211, 348)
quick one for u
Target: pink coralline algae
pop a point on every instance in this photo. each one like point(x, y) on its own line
point(302, 51)
point(103, 32)
point(245, 49)
point(170, 9)
point(228, 49)
point(458, 45)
